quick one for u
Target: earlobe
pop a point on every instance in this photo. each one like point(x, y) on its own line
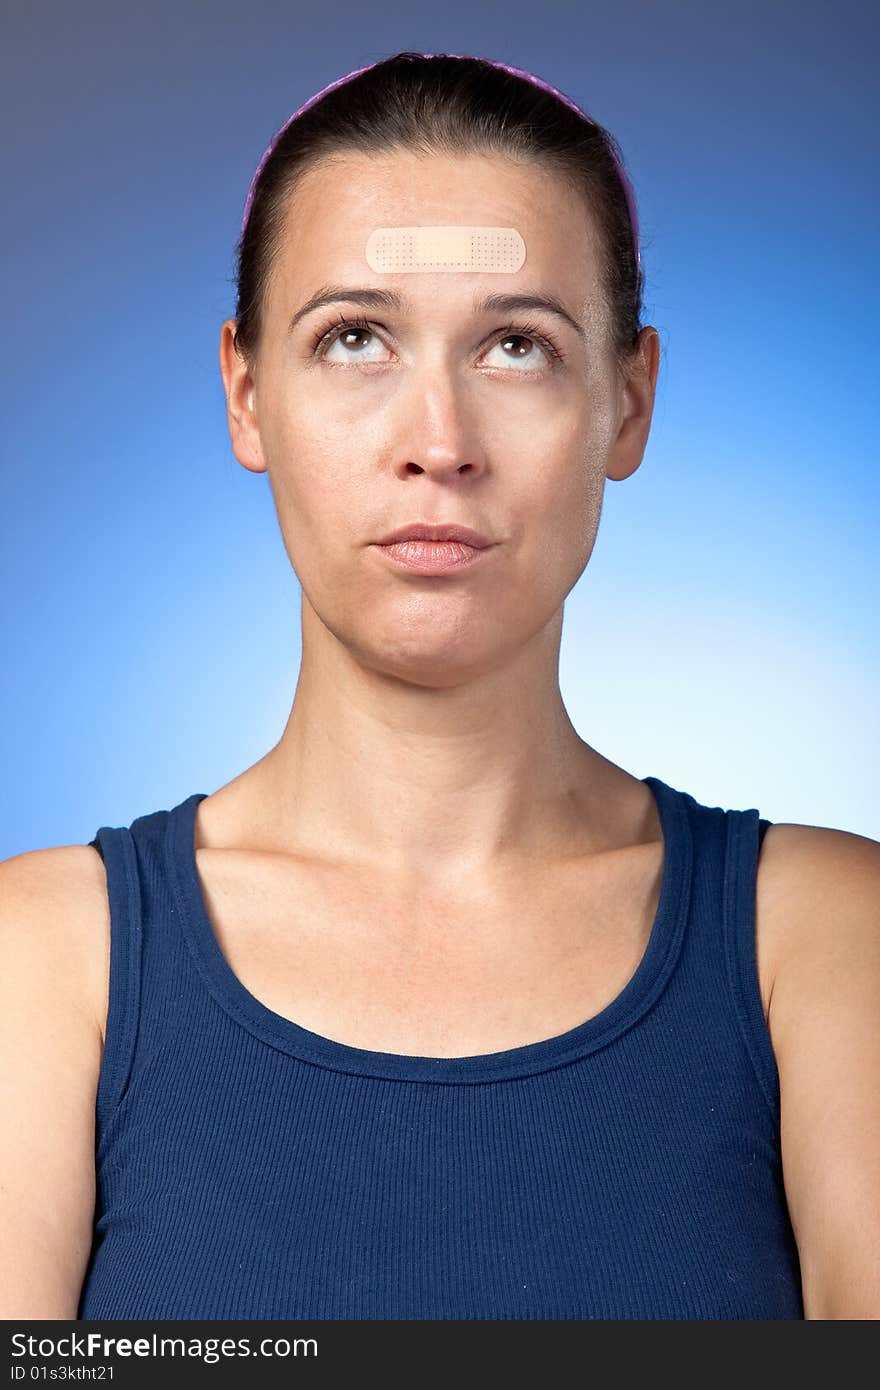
point(247, 450)
point(257, 465)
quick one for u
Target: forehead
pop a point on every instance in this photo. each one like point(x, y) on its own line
point(342, 200)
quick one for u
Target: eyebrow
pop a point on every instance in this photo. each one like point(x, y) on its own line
point(391, 299)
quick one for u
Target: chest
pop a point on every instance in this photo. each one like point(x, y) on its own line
point(523, 958)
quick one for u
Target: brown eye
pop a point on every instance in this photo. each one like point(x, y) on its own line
point(533, 333)
point(532, 361)
point(339, 333)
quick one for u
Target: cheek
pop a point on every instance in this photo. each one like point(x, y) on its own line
point(566, 504)
point(322, 493)
point(314, 517)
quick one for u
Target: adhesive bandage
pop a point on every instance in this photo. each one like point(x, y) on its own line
point(396, 250)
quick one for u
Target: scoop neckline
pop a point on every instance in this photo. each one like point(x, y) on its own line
point(629, 1005)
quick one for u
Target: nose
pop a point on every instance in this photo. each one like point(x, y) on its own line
point(438, 434)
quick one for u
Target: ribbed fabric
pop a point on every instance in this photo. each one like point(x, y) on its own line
point(628, 1168)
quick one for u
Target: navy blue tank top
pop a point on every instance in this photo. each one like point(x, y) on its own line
point(248, 1168)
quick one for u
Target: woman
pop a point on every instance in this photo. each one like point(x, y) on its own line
point(436, 1012)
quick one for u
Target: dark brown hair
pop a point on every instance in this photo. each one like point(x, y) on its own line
point(441, 104)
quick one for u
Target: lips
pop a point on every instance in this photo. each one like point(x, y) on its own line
point(428, 531)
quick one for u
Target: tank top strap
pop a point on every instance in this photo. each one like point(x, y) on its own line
point(745, 832)
point(147, 997)
point(720, 959)
point(115, 845)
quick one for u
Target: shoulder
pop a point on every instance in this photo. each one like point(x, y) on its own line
point(818, 906)
point(55, 917)
point(51, 933)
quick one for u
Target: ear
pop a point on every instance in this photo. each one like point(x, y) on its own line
point(239, 386)
point(636, 406)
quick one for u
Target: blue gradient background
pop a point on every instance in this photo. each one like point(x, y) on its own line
point(723, 635)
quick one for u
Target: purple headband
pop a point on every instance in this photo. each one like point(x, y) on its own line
point(518, 72)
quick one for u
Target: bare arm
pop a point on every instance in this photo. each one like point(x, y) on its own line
point(825, 1024)
point(54, 945)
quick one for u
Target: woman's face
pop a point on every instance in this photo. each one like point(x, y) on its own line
point(436, 412)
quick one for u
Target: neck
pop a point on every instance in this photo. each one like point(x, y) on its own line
point(434, 782)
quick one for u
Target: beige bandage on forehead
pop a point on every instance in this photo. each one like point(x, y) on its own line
point(396, 250)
